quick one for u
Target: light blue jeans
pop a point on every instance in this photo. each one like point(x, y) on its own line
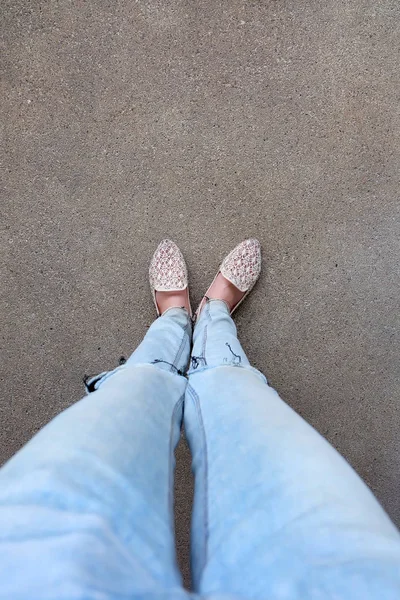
point(86, 508)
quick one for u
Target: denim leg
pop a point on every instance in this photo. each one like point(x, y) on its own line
point(86, 505)
point(278, 513)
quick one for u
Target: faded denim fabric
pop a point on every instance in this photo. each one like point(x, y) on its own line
point(278, 513)
point(86, 506)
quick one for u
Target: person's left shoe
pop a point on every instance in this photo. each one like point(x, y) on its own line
point(236, 277)
point(168, 278)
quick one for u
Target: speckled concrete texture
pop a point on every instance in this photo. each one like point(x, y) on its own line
point(207, 122)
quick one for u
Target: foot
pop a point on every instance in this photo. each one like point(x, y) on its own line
point(178, 299)
point(237, 275)
point(222, 289)
point(168, 278)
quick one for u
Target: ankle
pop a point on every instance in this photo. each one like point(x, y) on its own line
point(224, 290)
point(175, 299)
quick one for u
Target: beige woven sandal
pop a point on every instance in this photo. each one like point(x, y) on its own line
point(168, 271)
point(241, 267)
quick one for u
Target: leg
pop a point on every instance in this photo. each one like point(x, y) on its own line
point(86, 505)
point(278, 512)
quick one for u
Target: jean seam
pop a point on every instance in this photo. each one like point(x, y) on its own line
point(196, 401)
point(204, 344)
point(180, 349)
point(202, 355)
point(177, 406)
point(208, 307)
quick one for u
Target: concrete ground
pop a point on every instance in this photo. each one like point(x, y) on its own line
point(207, 122)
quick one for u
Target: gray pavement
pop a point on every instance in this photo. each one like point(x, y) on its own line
point(206, 122)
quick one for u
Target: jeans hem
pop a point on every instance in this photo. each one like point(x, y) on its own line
point(260, 375)
point(93, 383)
point(167, 310)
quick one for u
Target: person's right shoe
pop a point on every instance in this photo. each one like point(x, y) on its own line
point(168, 276)
point(236, 277)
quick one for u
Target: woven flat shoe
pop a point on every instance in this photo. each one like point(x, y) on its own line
point(241, 267)
point(168, 271)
